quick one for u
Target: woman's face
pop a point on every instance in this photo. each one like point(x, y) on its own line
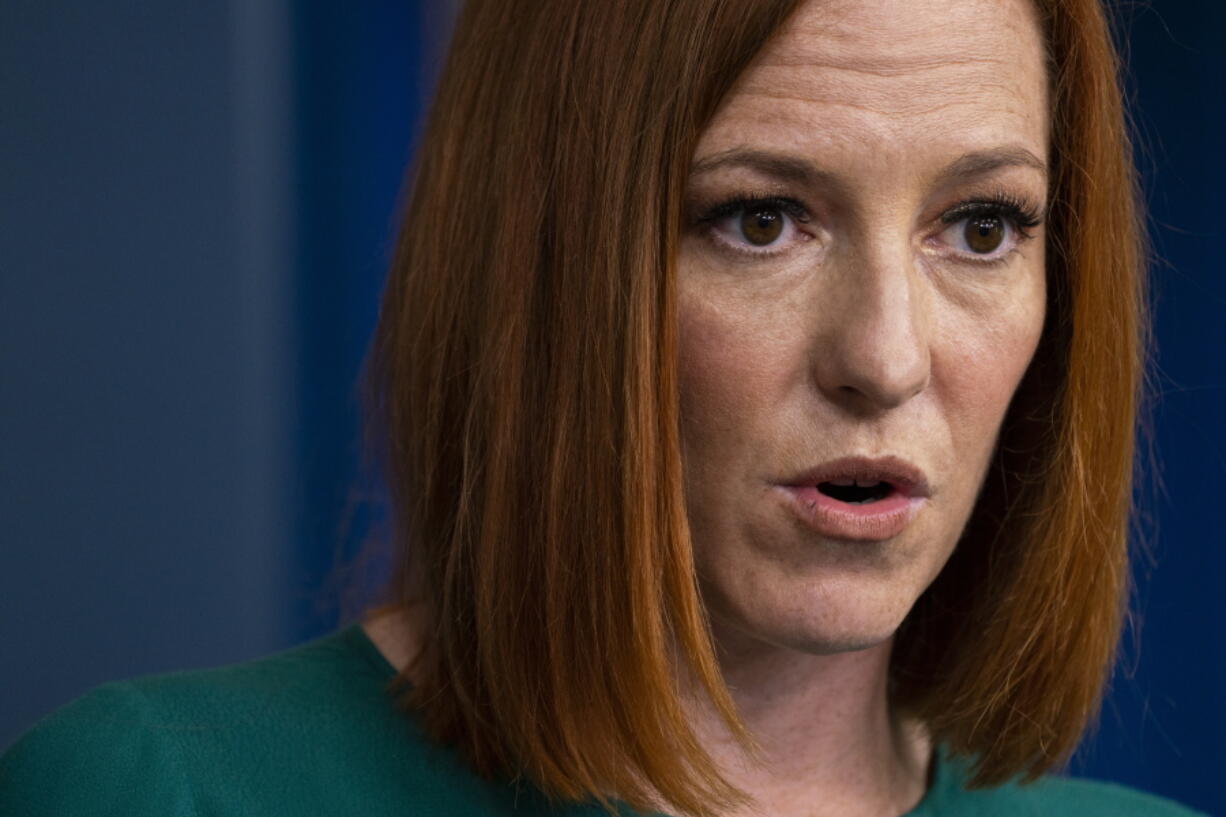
point(861, 276)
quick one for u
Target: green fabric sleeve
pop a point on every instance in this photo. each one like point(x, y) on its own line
point(102, 754)
point(1092, 798)
point(1050, 796)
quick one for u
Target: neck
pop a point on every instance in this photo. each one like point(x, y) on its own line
point(828, 739)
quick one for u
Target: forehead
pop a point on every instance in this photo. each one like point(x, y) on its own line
point(900, 80)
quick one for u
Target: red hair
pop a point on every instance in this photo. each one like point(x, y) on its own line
point(523, 390)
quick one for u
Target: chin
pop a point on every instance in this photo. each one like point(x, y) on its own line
point(819, 618)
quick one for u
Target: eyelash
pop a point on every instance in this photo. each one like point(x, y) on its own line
point(737, 204)
point(1021, 215)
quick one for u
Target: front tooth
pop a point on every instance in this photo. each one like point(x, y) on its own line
point(862, 483)
point(843, 481)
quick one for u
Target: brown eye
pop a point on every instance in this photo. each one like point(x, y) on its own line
point(984, 234)
point(762, 226)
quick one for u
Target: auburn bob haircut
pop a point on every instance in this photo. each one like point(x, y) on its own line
point(523, 393)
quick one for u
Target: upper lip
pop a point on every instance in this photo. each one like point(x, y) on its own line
point(905, 478)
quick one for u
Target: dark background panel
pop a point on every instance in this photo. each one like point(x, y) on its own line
point(1163, 727)
point(142, 400)
point(361, 85)
point(196, 203)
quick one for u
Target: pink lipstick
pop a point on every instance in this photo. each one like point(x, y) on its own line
point(856, 498)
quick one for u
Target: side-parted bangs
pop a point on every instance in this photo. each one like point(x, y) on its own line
point(522, 391)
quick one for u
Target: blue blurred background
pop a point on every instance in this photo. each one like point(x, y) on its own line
point(196, 207)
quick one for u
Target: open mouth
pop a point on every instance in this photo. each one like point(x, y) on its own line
point(855, 494)
point(857, 499)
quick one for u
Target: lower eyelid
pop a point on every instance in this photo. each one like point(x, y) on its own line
point(747, 250)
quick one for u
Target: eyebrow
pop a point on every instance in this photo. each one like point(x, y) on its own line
point(794, 169)
point(982, 162)
point(780, 165)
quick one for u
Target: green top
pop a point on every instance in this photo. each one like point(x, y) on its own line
point(313, 731)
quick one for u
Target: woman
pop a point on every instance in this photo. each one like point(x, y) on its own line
point(756, 384)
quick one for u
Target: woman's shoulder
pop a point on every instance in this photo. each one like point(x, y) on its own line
point(1047, 796)
point(1094, 797)
point(97, 755)
point(280, 728)
point(1071, 796)
point(312, 730)
point(307, 686)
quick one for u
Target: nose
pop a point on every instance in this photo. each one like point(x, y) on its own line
point(873, 353)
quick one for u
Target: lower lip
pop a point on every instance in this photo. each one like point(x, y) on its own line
point(867, 522)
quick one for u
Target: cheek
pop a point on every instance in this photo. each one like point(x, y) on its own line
point(728, 370)
point(709, 363)
point(984, 356)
